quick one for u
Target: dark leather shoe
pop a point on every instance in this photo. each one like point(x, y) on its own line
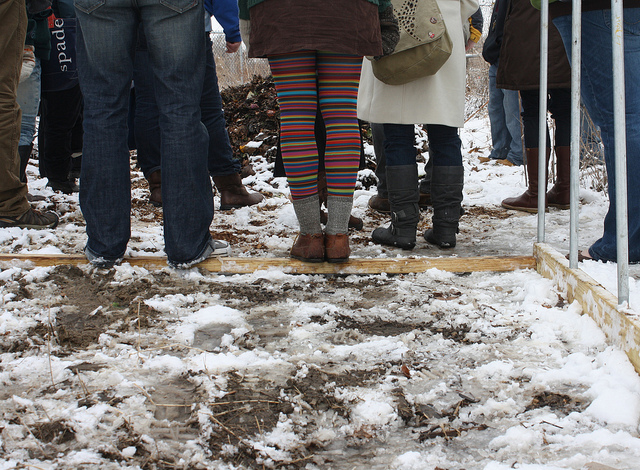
point(309, 248)
point(336, 248)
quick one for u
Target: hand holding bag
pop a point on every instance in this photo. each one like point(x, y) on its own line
point(424, 44)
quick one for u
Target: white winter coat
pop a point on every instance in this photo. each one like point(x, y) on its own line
point(438, 99)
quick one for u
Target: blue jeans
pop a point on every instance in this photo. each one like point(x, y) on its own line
point(175, 38)
point(597, 96)
point(504, 117)
point(444, 145)
point(220, 153)
point(29, 101)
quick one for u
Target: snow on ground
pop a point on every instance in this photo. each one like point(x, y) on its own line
point(166, 369)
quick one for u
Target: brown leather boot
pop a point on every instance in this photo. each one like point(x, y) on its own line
point(309, 248)
point(379, 204)
point(558, 195)
point(233, 194)
point(336, 248)
point(527, 201)
point(155, 188)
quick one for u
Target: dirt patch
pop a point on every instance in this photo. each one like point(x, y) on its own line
point(556, 402)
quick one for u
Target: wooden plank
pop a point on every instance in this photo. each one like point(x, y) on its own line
point(621, 325)
point(288, 265)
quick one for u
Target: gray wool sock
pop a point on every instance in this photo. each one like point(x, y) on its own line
point(308, 214)
point(339, 210)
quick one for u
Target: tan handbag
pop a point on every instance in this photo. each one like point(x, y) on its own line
point(424, 44)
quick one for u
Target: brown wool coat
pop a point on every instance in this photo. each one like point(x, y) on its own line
point(519, 64)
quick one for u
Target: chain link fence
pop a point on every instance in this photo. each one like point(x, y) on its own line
point(235, 69)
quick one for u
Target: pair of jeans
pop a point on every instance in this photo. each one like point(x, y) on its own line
point(29, 101)
point(504, 118)
point(597, 96)
point(13, 30)
point(220, 153)
point(444, 145)
point(106, 47)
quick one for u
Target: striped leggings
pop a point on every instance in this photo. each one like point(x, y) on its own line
point(305, 81)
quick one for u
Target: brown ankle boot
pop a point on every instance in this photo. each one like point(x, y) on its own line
point(527, 201)
point(559, 195)
point(336, 248)
point(309, 248)
point(233, 194)
point(155, 188)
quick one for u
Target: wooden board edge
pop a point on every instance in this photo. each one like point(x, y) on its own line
point(620, 326)
point(233, 265)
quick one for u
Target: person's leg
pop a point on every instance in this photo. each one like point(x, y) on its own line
point(597, 96)
point(13, 193)
point(60, 111)
point(146, 128)
point(500, 137)
point(446, 184)
point(29, 101)
point(178, 69)
point(560, 109)
point(105, 51)
point(402, 185)
point(338, 79)
point(528, 201)
point(294, 76)
point(223, 168)
point(221, 161)
point(380, 201)
point(512, 112)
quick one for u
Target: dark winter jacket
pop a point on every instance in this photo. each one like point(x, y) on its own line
point(245, 5)
point(493, 41)
point(519, 65)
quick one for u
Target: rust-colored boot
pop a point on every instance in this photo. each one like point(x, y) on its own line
point(155, 188)
point(233, 194)
point(309, 248)
point(336, 248)
point(528, 201)
point(354, 222)
point(558, 195)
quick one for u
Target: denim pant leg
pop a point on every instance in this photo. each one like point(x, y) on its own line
point(105, 49)
point(221, 161)
point(512, 110)
point(444, 145)
point(29, 101)
point(399, 144)
point(178, 66)
point(146, 127)
point(597, 96)
point(500, 136)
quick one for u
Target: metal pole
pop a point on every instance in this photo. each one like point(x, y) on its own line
point(622, 233)
point(542, 140)
point(576, 63)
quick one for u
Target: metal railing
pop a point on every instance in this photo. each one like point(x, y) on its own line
point(622, 237)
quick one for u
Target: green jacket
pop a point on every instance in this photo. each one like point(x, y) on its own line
point(246, 4)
